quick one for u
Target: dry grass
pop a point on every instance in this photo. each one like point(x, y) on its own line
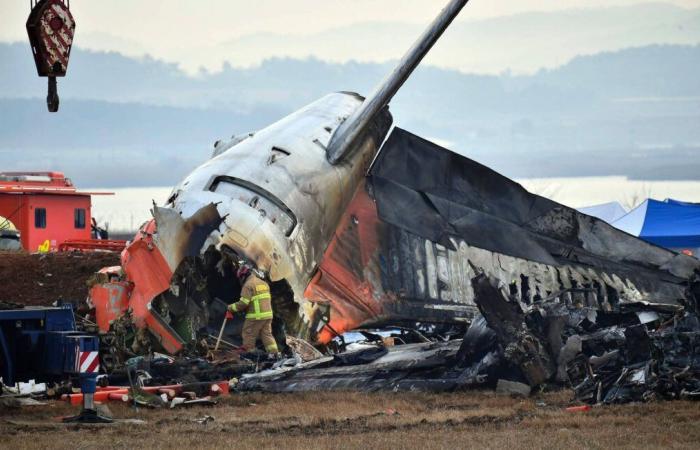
point(355, 420)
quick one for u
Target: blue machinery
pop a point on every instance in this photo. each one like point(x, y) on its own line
point(42, 343)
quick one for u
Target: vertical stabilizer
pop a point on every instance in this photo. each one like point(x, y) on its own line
point(345, 137)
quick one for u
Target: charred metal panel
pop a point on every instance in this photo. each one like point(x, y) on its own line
point(177, 238)
point(521, 346)
point(446, 198)
point(410, 367)
point(374, 273)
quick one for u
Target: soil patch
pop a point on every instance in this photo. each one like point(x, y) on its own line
point(40, 280)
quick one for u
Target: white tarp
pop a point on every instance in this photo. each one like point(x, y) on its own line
point(608, 212)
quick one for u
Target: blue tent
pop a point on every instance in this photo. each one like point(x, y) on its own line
point(669, 223)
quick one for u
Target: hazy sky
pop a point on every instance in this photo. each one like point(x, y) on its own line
point(182, 30)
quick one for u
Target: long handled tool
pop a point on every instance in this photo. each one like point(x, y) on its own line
point(221, 332)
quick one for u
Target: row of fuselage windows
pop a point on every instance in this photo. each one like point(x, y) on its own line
point(40, 218)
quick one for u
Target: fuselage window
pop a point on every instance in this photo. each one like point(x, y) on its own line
point(254, 196)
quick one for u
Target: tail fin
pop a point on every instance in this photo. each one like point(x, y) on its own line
point(347, 134)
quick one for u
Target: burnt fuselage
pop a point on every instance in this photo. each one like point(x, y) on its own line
point(278, 198)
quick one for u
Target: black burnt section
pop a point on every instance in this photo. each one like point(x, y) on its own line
point(425, 192)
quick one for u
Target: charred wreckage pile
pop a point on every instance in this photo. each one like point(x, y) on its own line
point(606, 354)
point(633, 352)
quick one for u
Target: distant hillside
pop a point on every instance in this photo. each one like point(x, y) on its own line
point(661, 70)
point(631, 112)
point(522, 43)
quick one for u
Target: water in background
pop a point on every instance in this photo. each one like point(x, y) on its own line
point(130, 207)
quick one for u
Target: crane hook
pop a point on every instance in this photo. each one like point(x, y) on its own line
point(52, 96)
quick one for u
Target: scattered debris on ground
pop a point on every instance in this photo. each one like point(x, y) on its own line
point(634, 352)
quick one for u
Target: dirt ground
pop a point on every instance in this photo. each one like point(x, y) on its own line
point(33, 279)
point(377, 421)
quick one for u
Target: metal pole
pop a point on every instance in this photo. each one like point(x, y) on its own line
point(221, 334)
point(345, 137)
point(89, 401)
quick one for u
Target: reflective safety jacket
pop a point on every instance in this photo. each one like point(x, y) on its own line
point(255, 299)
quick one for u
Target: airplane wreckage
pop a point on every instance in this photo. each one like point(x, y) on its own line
point(357, 225)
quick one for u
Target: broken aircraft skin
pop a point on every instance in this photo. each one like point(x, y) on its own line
point(351, 235)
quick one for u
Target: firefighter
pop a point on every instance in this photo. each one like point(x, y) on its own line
point(256, 302)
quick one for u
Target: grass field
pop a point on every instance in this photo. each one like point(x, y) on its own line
point(368, 421)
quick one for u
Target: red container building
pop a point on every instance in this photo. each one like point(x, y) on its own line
point(46, 208)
